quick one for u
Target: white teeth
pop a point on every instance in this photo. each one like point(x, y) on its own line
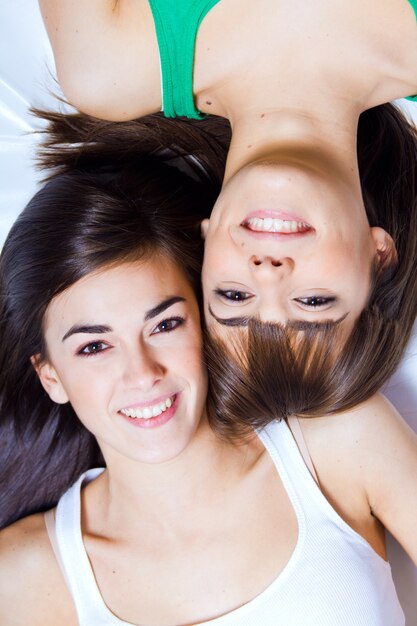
point(149, 411)
point(276, 225)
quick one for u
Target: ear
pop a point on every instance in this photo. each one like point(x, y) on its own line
point(204, 227)
point(385, 248)
point(49, 379)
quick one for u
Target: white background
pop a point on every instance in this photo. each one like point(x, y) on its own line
point(27, 79)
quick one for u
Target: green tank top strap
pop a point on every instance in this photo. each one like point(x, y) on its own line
point(176, 24)
point(414, 6)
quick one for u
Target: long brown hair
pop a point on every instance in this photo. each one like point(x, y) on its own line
point(271, 372)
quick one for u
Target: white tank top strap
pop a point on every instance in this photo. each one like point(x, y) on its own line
point(281, 444)
point(49, 518)
point(310, 504)
point(303, 490)
point(91, 609)
point(297, 433)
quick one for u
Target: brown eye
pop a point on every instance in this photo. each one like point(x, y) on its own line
point(233, 295)
point(315, 302)
point(168, 325)
point(94, 347)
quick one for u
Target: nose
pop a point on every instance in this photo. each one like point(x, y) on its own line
point(142, 368)
point(271, 267)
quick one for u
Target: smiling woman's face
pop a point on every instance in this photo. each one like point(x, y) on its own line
point(124, 347)
point(288, 245)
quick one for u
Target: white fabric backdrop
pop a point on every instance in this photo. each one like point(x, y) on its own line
point(26, 66)
point(27, 79)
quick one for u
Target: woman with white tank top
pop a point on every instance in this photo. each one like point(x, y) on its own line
point(101, 340)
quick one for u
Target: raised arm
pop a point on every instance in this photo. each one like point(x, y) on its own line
point(106, 55)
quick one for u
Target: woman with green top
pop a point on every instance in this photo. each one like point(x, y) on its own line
point(292, 239)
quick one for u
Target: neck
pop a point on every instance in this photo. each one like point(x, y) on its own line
point(322, 138)
point(130, 493)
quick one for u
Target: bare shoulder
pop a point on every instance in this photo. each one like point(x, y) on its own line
point(366, 459)
point(32, 589)
point(24, 548)
point(374, 425)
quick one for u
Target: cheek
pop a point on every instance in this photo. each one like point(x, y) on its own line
point(88, 387)
point(337, 258)
point(223, 261)
point(353, 263)
point(191, 360)
point(191, 365)
point(345, 269)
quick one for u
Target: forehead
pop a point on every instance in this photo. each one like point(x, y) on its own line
point(114, 291)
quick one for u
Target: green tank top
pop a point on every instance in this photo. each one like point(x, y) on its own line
point(414, 5)
point(177, 23)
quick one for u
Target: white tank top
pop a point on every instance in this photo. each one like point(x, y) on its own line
point(333, 578)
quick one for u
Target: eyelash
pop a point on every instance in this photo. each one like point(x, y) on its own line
point(313, 301)
point(82, 352)
point(224, 293)
point(178, 321)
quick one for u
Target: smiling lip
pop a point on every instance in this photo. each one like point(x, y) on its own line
point(153, 422)
point(278, 215)
point(275, 224)
point(276, 236)
point(143, 405)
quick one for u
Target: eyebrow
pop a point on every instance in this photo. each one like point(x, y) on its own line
point(98, 329)
point(295, 324)
point(86, 328)
point(304, 325)
point(163, 306)
point(229, 321)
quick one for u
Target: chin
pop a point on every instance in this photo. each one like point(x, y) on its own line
point(162, 455)
point(167, 448)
